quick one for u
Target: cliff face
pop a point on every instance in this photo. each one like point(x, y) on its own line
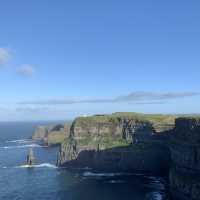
point(132, 144)
point(113, 143)
point(52, 135)
point(40, 132)
point(185, 155)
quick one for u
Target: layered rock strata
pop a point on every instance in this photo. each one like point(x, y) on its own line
point(114, 143)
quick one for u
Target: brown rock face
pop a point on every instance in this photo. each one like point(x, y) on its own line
point(185, 156)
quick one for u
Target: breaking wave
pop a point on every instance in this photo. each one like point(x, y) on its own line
point(92, 174)
point(20, 141)
point(22, 146)
point(42, 165)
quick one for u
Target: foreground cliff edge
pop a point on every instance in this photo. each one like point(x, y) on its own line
point(185, 159)
point(129, 142)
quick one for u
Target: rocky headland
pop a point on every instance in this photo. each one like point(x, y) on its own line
point(118, 142)
point(52, 134)
point(131, 142)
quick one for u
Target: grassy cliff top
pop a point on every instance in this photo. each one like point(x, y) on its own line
point(153, 118)
point(190, 117)
point(97, 119)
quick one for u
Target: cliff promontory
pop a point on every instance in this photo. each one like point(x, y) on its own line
point(117, 142)
point(131, 142)
point(53, 134)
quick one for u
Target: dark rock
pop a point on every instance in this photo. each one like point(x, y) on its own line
point(185, 156)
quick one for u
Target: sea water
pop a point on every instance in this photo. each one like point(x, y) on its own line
point(47, 182)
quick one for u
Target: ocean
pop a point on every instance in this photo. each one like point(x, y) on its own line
point(47, 182)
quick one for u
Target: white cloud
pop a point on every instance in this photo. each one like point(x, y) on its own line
point(26, 70)
point(138, 97)
point(4, 56)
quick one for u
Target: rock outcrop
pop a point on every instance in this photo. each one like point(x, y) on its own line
point(185, 155)
point(41, 132)
point(114, 143)
point(52, 135)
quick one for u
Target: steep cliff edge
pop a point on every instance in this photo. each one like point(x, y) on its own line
point(52, 135)
point(138, 143)
point(117, 142)
point(185, 155)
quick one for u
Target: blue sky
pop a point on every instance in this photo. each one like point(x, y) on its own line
point(61, 59)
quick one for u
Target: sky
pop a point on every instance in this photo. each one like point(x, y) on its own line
point(60, 59)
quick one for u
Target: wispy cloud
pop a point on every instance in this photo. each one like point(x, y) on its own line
point(144, 96)
point(42, 110)
point(32, 109)
point(138, 97)
point(4, 56)
point(26, 70)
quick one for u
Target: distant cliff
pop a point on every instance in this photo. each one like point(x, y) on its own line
point(53, 134)
point(185, 155)
point(121, 142)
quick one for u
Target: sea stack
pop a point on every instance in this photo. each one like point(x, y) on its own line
point(30, 157)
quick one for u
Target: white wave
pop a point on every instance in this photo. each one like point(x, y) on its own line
point(3, 167)
point(42, 165)
point(22, 146)
point(19, 141)
point(108, 174)
point(101, 174)
point(116, 181)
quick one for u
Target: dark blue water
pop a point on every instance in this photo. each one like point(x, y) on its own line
point(47, 182)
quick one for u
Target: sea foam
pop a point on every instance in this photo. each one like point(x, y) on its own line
point(22, 146)
point(42, 165)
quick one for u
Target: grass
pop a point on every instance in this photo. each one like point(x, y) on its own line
point(56, 137)
point(155, 119)
point(103, 142)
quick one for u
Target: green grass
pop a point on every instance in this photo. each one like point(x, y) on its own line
point(97, 119)
point(56, 137)
point(155, 119)
point(104, 142)
point(190, 117)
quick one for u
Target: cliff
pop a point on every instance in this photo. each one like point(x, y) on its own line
point(132, 142)
point(52, 135)
point(121, 142)
point(40, 132)
point(185, 155)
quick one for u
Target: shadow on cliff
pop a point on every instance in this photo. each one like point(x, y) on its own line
point(149, 158)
